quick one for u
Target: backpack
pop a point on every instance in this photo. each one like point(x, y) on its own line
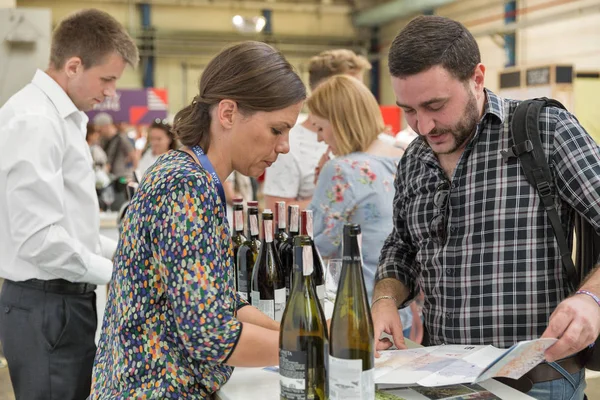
point(528, 149)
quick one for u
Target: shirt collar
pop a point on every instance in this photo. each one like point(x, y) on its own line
point(55, 93)
point(493, 105)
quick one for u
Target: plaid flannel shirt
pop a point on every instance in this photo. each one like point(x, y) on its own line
point(498, 275)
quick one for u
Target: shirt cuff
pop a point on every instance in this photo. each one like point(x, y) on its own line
point(108, 247)
point(99, 272)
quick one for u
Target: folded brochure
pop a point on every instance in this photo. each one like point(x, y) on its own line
point(456, 364)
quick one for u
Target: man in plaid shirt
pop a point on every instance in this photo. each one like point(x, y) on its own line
point(469, 230)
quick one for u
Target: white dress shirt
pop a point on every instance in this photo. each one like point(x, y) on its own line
point(293, 174)
point(49, 215)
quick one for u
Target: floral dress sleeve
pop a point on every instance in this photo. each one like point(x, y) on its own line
point(333, 205)
point(195, 273)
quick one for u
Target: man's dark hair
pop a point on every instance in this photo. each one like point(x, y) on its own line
point(430, 40)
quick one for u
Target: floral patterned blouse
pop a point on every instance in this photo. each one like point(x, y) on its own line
point(359, 189)
point(170, 323)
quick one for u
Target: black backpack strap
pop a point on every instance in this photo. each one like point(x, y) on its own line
point(530, 152)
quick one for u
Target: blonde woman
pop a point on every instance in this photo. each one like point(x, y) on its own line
point(357, 186)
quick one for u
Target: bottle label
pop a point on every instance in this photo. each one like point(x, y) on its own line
point(271, 308)
point(309, 224)
point(268, 226)
point(243, 295)
point(307, 260)
point(294, 219)
point(279, 303)
point(239, 220)
point(292, 374)
point(347, 381)
point(281, 215)
point(254, 225)
point(242, 281)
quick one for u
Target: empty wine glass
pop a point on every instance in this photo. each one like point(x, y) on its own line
point(332, 278)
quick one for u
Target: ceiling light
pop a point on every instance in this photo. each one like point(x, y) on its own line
point(249, 24)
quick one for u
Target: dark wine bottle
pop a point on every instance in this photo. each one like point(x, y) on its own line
point(279, 217)
point(351, 351)
point(268, 283)
point(238, 238)
point(286, 250)
point(248, 253)
point(306, 228)
point(303, 334)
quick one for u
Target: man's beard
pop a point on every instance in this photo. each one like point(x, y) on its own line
point(463, 130)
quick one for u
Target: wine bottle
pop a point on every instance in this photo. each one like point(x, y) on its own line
point(238, 238)
point(306, 228)
point(286, 251)
point(279, 217)
point(268, 283)
point(303, 334)
point(248, 253)
point(351, 351)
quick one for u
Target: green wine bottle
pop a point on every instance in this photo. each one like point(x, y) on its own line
point(303, 334)
point(351, 351)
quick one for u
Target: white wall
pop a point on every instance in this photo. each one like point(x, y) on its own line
point(8, 3)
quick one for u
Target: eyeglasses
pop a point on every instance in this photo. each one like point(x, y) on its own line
point(161, 121)
point(438, 224)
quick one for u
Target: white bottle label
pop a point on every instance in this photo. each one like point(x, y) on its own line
point(309, 223)
point(254, 225)
point(294, 219)
point(239, 220)
point(347, 381)
point(292, 374)
point(268, 225)
point(271, 308)
point(279, 303)
point(243, 295)
point(307, 260)
point(281, 215)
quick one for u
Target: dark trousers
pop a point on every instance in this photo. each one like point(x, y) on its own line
point(48, 341)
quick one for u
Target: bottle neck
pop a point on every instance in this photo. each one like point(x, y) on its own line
point(279, 217)
point(238, 220)
point(268, 230)
point(253, 223)
point(306, 224)
point(352, 250)
point(294, 228)
point(303, 262)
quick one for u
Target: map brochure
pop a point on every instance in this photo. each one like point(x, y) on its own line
point(454, 392)
point(456, 364)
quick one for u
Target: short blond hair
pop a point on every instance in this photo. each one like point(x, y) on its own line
point(335, 62)
point(352, 111)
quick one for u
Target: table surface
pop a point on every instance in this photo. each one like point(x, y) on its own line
point(258, 383)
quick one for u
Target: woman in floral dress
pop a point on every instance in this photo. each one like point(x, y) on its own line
point(357, 186)
point(174, 325)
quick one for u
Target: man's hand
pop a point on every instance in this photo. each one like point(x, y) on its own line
point(576, 323)
point(386, 319)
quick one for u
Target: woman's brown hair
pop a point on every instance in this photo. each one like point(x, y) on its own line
point(253, 74)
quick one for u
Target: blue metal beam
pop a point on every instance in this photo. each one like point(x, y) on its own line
point(147, 61)
point(510, 42)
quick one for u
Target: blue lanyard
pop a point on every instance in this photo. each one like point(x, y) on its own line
point(205, 162)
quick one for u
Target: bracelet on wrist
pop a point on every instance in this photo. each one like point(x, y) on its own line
point(383, 298)
point(588, 293)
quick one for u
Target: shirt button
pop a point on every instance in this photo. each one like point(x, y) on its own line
point(453, 229)
point(448, 271)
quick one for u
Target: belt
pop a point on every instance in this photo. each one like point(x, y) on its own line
point(544, 372)
point(59, 286)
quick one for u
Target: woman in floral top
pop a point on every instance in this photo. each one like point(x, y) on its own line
point(173, 325)
point(357, 186)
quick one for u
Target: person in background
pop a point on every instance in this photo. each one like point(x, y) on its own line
point(160, 139)
point(122, 157)
point(51, 253)
point(356, 187)
point(292, 177)
point(469, 229)
point(174, 322)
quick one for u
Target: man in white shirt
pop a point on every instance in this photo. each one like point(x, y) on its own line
point(292, 177)
point(51, 254)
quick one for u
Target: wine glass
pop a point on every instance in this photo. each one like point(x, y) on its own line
point(332, 278)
